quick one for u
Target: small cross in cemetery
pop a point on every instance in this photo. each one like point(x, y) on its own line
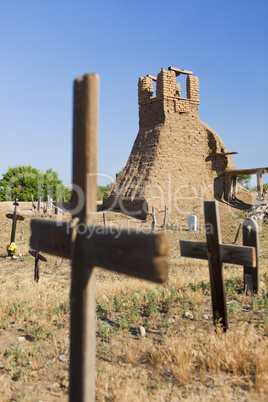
point(38, 257)
point(154, 219)
point(217, 253)
point(143, 255)
point(15, 217)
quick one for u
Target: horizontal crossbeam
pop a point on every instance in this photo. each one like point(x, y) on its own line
point(237, 172)
point(152, 77)
point(36, 254)
point(179, 71)
point(12, 216)
point(139, 254)
point(229, 253)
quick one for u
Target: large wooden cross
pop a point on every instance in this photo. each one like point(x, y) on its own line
point(138, 254)
point(217, 253)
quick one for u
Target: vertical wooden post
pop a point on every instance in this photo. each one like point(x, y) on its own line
point(227, 188)
point(14, 222)
point(213, 234)
point(49, 203)
point(36, 267)
point(165, 217)
point(39, 204)
point(259, 184)
point(250, 238)
point(234, 182)
point(104, 219)
point(153, 222)
point(237, 233)
point(83, 349)
point(33, 203)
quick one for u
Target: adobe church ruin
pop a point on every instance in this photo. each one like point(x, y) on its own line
point(177, 160)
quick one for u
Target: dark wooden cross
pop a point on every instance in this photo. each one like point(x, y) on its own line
point(15, 217)
point(138, 254)
point(251, 273)
point(217, 253)
point(37, 257)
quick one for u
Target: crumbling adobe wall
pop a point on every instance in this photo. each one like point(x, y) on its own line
point(176, 159)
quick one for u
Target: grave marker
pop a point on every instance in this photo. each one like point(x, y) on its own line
point(217, 253)
point(33, 204)
point(153, 221)
point(192, 222)
point(165, 217)
point(139, 254)
point(251, 273)
point(39, 205)
point(15, 217)
point(37, 257)
point(49, 204)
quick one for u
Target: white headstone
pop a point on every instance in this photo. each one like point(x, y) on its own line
point(49, 203)
point(192, 222)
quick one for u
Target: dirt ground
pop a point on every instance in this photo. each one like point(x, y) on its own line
point(154, 342)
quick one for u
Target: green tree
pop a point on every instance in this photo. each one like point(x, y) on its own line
point(244, 180)
point(103, 190)
point(24, 181)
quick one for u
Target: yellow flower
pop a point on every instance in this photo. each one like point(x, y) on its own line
point(11, 248)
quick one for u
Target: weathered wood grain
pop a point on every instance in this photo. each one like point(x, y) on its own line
point(229, 253)
point(143, 255)
point(250, 238)
point(215, 264)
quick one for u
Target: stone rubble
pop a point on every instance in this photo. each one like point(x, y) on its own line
point(259, 211)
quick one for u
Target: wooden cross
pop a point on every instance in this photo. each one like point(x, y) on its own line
point(39, 205)
point(251, 273)
point(138, 254)
point(49, 204)
point(37, 257)
point(217, 253)
point(153, 221)
point(15, 217)
point(34, 207)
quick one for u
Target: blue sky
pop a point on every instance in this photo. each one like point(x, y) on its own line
point(45, 45)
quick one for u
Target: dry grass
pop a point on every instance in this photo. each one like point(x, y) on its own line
point(179, 358)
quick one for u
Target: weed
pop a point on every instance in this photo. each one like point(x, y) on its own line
point(117, 303)
point(37, 333)
point(157, 384)
point(106, 330)
point(264, 318)
point(17, 308)
point(134, 313)
point(19, 361)
point(254, 303)
point(36, 352)
point(233, 285)
point(106, 354)
point(124, 323)
point(149, 307)
point(102, 313)
point(234, 309)
point(4, 323)
point(167, 299)
point(166, 322)
point(62, 309)
point(172, 226)
point(263, 302)
point(147, 323)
